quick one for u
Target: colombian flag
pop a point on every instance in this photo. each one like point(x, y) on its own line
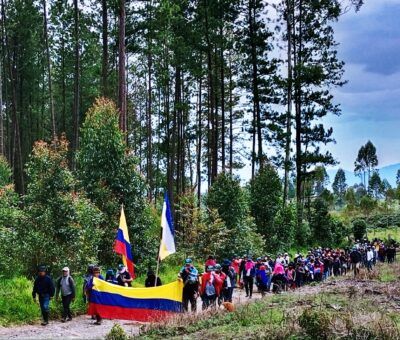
point(140, 304)
point(122, 245)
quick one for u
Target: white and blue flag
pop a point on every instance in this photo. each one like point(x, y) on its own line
point(167, 246)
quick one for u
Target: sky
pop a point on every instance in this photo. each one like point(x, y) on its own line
point(370, 101)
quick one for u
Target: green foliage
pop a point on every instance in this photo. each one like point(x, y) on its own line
point(339, 186)
point(367, 205)
point(265, 196)
point(316, 323)
point(60, 225)
point(229, 199)
point(116, 333)
point(108, 173)
point(284, 227)
point(5, 172)
point(321, 223)
point(205, 233)
point(359, 229)
point(10, 217)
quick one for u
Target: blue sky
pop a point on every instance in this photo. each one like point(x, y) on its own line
point(370, 46)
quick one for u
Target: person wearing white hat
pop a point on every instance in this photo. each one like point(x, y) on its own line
point(66, 285)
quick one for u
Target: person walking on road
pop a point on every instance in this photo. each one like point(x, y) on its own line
point(43, 287)
point(66, 285)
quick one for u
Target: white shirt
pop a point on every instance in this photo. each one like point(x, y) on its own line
point(370, 255)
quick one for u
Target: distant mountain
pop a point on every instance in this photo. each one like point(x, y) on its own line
point(389, 172)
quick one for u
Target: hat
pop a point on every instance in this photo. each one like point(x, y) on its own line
point(65, 269)
point(210, 268)
point(188, 261)
point(226, 262)
point(120, 266)
point(217, 266)
point(42, 269)
point(110, 272)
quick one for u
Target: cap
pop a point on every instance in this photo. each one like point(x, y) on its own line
point(65, 269)
point(120, 266)
point(217, 266)
point(42, 269)
point(210, 268)
point(188, 261)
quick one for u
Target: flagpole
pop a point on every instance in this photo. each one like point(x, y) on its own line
point(158, 267)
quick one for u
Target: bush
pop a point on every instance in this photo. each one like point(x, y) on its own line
point(284, 226)
point(359, 229)
point(316, 323)
point(117, 333)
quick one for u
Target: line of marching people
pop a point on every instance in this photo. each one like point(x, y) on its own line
point(217, 282)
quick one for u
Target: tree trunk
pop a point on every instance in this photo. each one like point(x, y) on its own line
point(104, 33)
point(289, 101)
point(298, 121)
point(46, 39)
point(121, 71)
point(75, 143)
point(199, 141)
point(149, 128)
point(230, 118)
point(256, 97)
point(222, 96)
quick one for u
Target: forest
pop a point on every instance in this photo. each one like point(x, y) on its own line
point(219, 103)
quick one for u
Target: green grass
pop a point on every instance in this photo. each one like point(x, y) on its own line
point(384, 233)
point(18, 307)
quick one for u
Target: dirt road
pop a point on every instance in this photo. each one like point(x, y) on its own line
point(82, 327)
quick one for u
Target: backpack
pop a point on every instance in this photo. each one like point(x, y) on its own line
point(210, 289)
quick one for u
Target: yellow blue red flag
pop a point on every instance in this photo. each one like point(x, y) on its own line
point(111, 301)
point(122, 244)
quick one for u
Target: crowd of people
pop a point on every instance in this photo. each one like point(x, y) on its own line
point(217, 281)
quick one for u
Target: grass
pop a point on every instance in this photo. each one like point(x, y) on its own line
point(18, 307)
point(391, 233)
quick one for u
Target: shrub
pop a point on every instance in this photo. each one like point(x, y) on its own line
point(359, 229)
point(116, 333)
point(315, 323)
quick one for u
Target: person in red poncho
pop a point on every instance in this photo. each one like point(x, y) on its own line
point(210, 287)
point(220, 283)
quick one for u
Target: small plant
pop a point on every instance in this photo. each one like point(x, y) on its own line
point(315, 323)
point(117, 333)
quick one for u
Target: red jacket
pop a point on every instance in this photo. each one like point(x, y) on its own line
point(216, 280)
point(220, 284)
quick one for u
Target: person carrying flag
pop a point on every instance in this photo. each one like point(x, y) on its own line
point(122, 246)
point(124, 278)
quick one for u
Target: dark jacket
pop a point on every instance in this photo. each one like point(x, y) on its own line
point(150, 280)
point(355, 256)
point(43, 285)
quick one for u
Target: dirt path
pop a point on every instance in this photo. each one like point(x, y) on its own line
point(82, 327)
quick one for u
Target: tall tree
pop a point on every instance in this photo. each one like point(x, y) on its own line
point(76, 114)
point(366, 162)
point(49, 74)
point(121, 68)
point(339, 186)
